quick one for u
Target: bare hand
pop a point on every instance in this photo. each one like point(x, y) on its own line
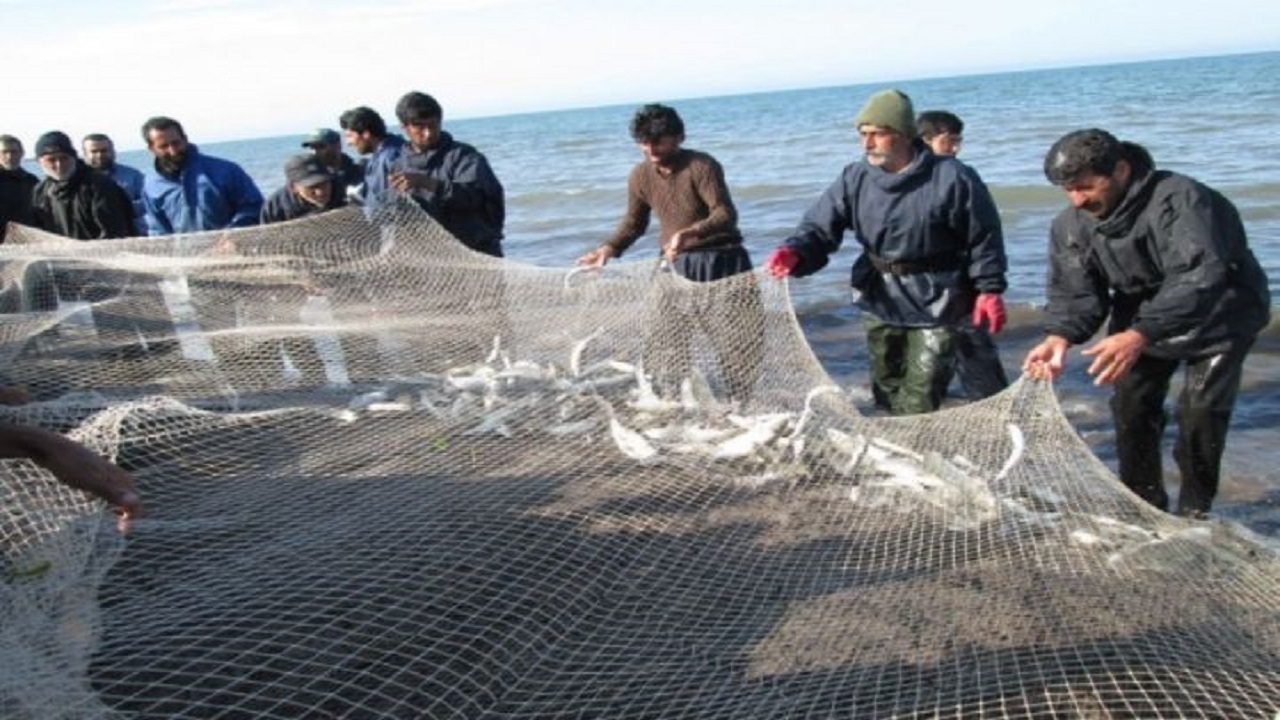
point(1114, 356)
point(74, 465)
point(597, 257)
point(409, 180)
point(677, 243)
point(1047, 360)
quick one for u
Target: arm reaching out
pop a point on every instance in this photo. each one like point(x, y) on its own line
point(74, 465)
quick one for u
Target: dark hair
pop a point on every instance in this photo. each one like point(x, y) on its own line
point(1092, 152)
point(363, 119)
point(1137, 156)
point(655, 121)
point(10, 140)
point(938, 122)
point(1081, 152)
point(95, 137)
point(162, 123)
point(415, 107)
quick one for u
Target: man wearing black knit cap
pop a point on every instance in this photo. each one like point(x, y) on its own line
point(72, 199)
point(932, 253)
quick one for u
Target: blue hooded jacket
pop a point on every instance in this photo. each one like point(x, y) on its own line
point(381, 162)
point(207, 194)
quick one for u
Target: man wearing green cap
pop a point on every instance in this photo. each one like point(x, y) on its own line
point(932, 252)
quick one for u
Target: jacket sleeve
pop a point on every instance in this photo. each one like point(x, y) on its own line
point(246, 199)
point(1078, 295)
point(984, 236)
point(1187, 228)
point(635, 221)
point(821, 231)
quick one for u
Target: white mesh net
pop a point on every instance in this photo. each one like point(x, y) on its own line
point(388, 477)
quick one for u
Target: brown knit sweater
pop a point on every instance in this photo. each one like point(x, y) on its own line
point(692, 194)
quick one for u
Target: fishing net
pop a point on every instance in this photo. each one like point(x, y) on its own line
point(387, 477)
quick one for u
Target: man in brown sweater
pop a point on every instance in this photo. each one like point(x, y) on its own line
point(700, 241)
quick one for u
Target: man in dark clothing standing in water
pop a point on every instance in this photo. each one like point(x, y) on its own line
point(932, 253)
point(1166, 258)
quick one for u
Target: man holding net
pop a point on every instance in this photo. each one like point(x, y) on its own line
point(700, 241)
point(451, 180)
point(1167, 259)
point(932, 253)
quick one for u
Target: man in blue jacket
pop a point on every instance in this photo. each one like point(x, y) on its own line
point(191, 192)
point(367, 134)
point(451, 180)
point(932, 252)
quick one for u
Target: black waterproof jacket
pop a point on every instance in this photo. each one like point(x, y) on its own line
point(930, 236)
point(88, 206)
point(284, 204)
point(1171, 261)
point(469, 203)
point(15, 197)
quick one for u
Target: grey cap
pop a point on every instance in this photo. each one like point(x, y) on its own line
point(305, 169)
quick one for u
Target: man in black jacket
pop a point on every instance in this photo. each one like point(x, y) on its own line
point(309, 189)
point(15, 184)
point(451, 180)
point(1167, 259)
point(73, 200)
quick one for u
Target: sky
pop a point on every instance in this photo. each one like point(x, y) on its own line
point(237, 69)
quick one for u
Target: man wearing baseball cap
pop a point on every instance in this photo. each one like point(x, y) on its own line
point(326, 145)
point(932, 252)
point(308, 190)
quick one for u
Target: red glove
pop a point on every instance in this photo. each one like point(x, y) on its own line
point(782, 262)
point(989, 309)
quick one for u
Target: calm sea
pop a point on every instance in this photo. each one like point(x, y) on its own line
point(1212, 118)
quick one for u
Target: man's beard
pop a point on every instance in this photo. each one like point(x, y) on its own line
point(171, 165)
point(63, 175)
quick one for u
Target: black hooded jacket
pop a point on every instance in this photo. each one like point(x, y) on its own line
point(469, 203)
point(1170, 261)
point(15, 197)
point(88, 206)
point(284, 204)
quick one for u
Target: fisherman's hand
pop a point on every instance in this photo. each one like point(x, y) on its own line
point(989, 310)
point(1114, 356)
point(1046, 360)
point(410, 180)
point(677, 243)
point(782, 261)
point(80, 467)
point(597, 257)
